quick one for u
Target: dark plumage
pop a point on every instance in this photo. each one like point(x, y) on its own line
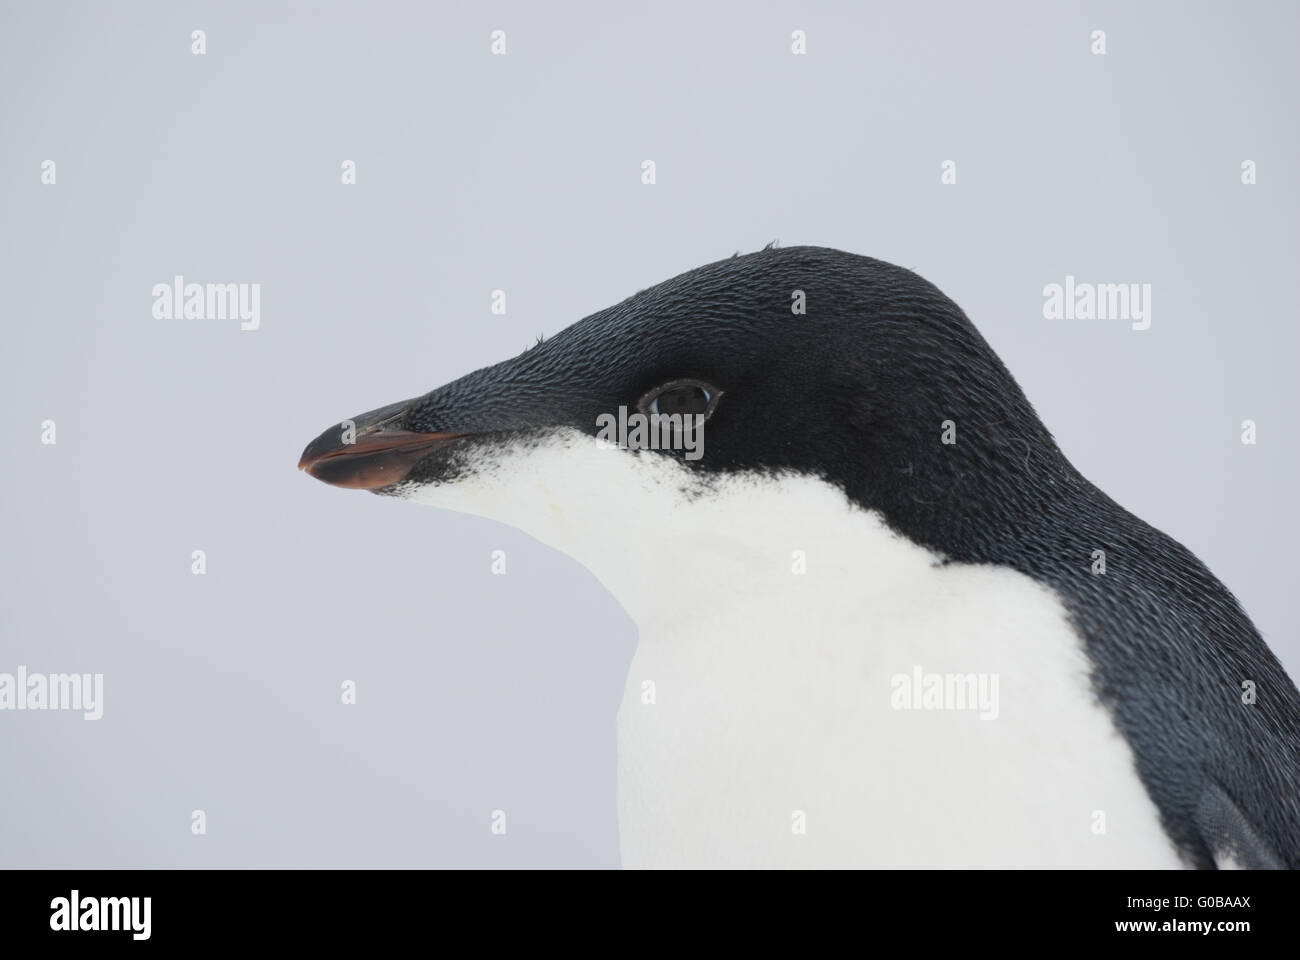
point(886, 358)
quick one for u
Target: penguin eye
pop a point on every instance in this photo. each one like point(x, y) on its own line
point(686, 397)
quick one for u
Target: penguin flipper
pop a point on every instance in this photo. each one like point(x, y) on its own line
point(1229, 834)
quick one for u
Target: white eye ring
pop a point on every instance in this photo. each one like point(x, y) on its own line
point(649, 402)
point(654, 404)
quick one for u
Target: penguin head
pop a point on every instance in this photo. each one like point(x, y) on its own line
point(798, 360)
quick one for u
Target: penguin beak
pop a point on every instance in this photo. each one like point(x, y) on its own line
point(372, 450)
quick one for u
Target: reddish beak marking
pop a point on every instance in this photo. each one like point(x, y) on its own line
point(376, 459)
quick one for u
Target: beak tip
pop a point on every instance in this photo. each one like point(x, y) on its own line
point(372, 458)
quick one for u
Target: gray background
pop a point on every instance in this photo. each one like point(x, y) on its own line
point(522, 172)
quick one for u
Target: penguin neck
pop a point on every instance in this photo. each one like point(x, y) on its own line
point(982, 500)
point(775, 616)
point(752, 555)
point(683, 552)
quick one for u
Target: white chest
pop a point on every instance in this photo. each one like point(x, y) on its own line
point(948, 724)
point(811, 690)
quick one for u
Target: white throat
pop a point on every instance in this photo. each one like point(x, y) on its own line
point(765, 721)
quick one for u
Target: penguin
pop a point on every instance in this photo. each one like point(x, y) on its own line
point(874, 630)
